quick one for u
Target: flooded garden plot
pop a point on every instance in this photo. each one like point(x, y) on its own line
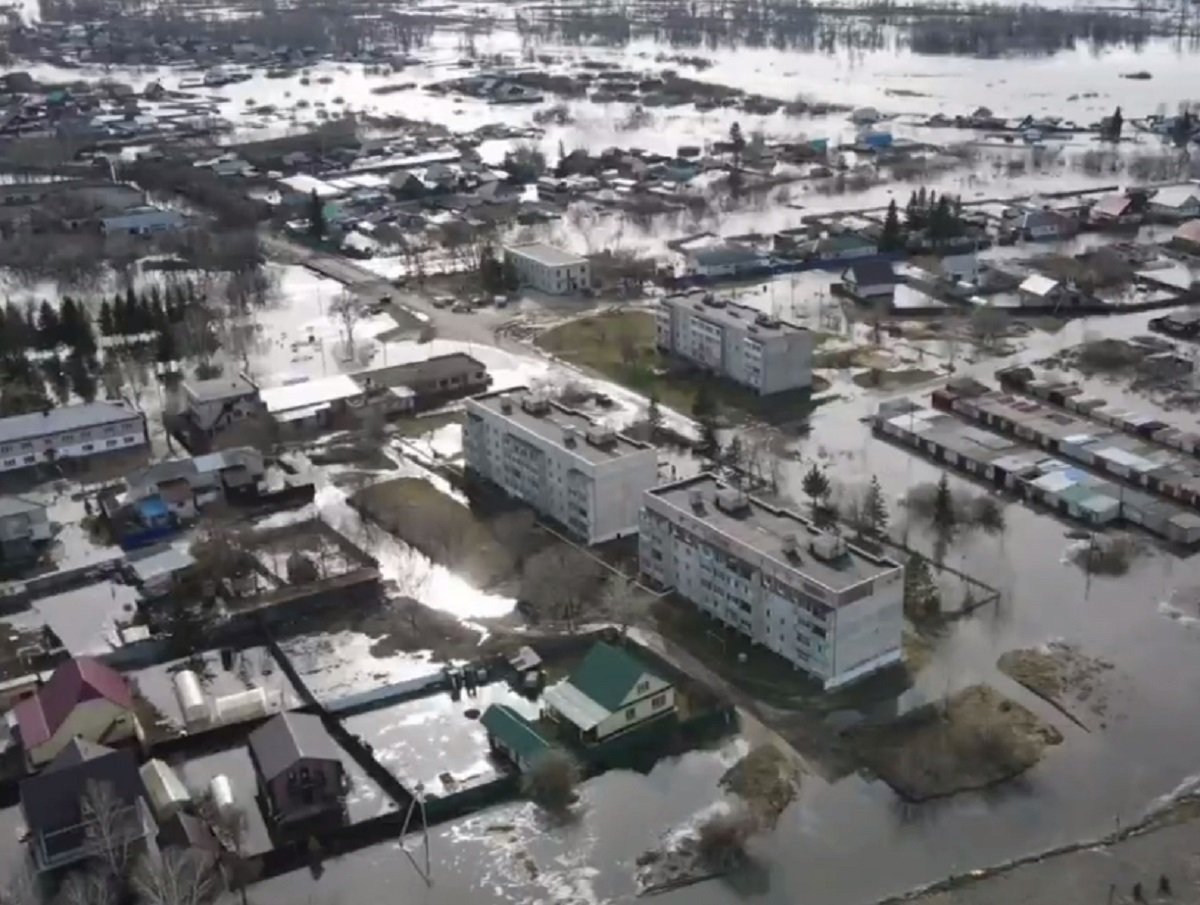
point(438, 741)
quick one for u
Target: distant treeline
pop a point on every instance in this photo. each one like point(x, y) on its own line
point(967, 30)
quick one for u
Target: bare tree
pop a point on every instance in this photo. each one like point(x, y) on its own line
point(176, 876)
point(346, 309)
point(618, 600)
point(721, 840)
point(558, 581)
point(91, 886)
point(114, 826)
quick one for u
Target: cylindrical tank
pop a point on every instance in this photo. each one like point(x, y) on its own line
point(191, 698)
point(241, 706)
point(221, 791)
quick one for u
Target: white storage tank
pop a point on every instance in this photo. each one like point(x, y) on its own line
point(191, 699)
point(221, 791)
point(240, 706)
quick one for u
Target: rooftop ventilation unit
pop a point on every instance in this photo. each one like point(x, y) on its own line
point(602, 437)
point(828, 547)
point(791, 546)
point(570, 437)
point(697, 500)
point(732, 501)
point(765, 320)
point(505, 405)
point(536, 405)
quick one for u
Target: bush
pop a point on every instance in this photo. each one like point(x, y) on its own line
point(551, 780)
point(721, 840)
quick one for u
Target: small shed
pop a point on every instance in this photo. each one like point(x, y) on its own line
point(513, 736)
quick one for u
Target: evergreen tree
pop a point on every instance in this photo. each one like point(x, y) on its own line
point(815, 485)
point(30, 320)
point(922, 600)
point(107, 327)
point(158, 316)
point(710, 443)
point(943, 506)
point(704, 405)
point(166, 350)
point(738, 141)
point(18, 333)
point(82, 382)
point(49, 330)
point(85, 335)
point(142, 317)
point(654, 415)
point(875, 513)
point(733, 456)
point(316, 217)
point(891, 240)
point(71, 320)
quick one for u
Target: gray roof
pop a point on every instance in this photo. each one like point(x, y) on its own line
point(220, 388)
point(280, 742)
point(871, 272)
point(52, 798)
point(725, 312)
point(724, 254)
point(154, 562)
point(15, 505)
point(764, 528)
point(63, 418)
point(546, 255)
point(552, 425)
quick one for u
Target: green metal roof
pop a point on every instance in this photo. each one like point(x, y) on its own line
point(514, 731)
point(607, 675)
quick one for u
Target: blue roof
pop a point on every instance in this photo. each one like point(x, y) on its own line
point(152, 507)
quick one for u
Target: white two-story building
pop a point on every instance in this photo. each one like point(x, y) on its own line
point(69, 432)
point(834, 610)
point(581, 474)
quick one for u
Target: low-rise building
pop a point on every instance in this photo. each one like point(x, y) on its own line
point(299, 768)
point(142, 221)
point(433, 381)
point(1176, 202)
point(828, 607)
point(68, 824)
point(24, 527)
point(870, 279)
point(512, 736)
point(217, 404)
point(1187, 237)
point(737, 342)
point(582, 475)
point(69, 432)
point(549, 269)
point(1045, 224)
point(83, 699)
point(722, 261)
point(1113, 211)
point(1037, 289)
point(611, 692)
point(188, 485)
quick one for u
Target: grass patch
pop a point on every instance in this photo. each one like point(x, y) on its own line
point(621, 346)
point(440, 527)
point(975, 739)
point(1061, 674)
point(893, 379)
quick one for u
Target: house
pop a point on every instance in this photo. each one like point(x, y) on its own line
point(611, 692)
point(1037, 289)
point(1186, 237)
point(722, 261)
point(870, 279)
point(217, 404)
point(1113, 211)
point(1043, 224)
point(433, 381)
point(845, 247)
point(87, 793)
point(158, 571)
point(24, 527)
point(299, 769)
point(1176, 202)
point(188, 485)
point(1184, 324)
point(513, 736)
point(84, 699)
point(142, 221)
point(962, 268)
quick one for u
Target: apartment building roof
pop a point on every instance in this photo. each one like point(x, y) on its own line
point(63, 418)
point(546, 255)
point(569, 429)
point(728, 313)
point(771, 531)
point(219, 388)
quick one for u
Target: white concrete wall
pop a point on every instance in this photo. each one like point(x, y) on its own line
point(869, 629)
point(643, 710)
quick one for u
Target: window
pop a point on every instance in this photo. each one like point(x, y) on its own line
point(643, 687)
point(659, 700)
point(630, 714)
point(88, 447)
point(29, 460)
point(110, 442)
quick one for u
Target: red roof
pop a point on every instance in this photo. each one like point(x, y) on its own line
point(1188, 232)
point(81, 679)
point(1112, 206)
